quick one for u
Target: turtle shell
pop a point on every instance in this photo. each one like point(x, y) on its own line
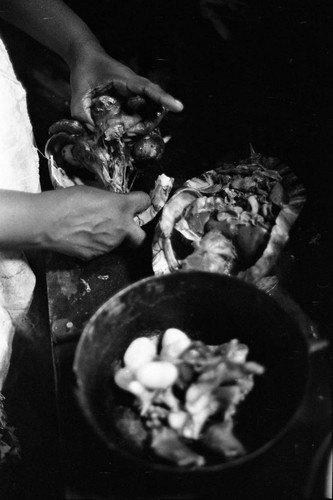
point(253, 200)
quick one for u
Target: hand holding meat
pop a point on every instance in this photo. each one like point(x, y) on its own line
point(87, 222)
point(80, 221)
point(94, 72)
point(125, 140)
point(125, 143)
point(83, 222)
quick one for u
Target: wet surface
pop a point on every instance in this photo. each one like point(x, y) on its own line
point(268, 86)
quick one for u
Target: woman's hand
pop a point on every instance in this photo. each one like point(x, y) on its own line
point(81, 221)
point(86, 222)
point(54, 24)
point(94, 72)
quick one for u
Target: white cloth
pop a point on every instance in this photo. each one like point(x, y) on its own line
point(19, 171)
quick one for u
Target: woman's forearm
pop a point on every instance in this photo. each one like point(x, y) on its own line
point(52, 23)
point(55, 25)
point(81, 221)
point(20, 220)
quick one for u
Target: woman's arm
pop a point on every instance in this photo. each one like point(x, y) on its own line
point(55, 25)
point(19, 221)
point(52, 23)
point(80, 221)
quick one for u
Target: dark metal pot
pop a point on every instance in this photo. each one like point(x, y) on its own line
point(208, 307)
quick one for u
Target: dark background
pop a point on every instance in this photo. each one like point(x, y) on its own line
point(269, 86)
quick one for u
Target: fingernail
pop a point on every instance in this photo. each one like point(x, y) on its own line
point(179, 104)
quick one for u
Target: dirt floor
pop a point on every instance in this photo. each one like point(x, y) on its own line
point(268, 86)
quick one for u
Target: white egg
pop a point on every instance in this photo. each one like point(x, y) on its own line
point(177, 419)
point(140, 351)
point(174, 343)
point(157, 374)
point(123, 378)
point(136, 388)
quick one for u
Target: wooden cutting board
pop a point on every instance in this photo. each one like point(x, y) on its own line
point(76, 289)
